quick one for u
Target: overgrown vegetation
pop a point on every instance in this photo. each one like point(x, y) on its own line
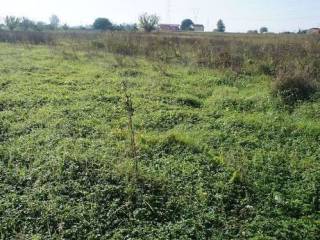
point(220, 156)
point(295, 83)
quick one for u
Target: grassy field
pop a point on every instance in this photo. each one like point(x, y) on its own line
point(219, 156)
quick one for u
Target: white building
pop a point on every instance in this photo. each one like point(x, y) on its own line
point(198, 27)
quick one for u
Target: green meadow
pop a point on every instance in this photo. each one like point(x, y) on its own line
point(218, 155)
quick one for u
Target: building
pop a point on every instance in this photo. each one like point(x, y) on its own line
point(169, 27)
point(198, 27)
point(314, 31)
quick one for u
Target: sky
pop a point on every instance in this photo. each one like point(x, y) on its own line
point(238, 15)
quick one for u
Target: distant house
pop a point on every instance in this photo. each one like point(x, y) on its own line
point(252, 32)
point(169, 27)
point(314, 31)
point(198, 27)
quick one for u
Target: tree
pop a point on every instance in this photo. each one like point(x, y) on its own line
point(220, 26)
point(27, 24)
point(264, 30)
point(54, 21)
point(186, 25)
point(302, 31)
point(149, 22)
point(126, 27)
point(65, 27)
point(102, 24)
point(12, 22)
point(41, 26)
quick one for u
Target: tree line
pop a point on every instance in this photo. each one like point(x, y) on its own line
point(25, 24)
point(150, 23)
point(146, 22)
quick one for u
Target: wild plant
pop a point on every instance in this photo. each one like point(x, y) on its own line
point(128, 105)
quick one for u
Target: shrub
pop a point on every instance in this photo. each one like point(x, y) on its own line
point(130, 73)
point(122, 45)
point(267, 69)
point(27, 37)
point(4, 129)
point(294, 84)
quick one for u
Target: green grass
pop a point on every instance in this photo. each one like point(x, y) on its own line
point(219, 156)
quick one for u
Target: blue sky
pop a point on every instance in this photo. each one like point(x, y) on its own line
point(238, 15)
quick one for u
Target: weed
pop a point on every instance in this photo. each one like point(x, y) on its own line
point(188, 100)
point(216, 156)
point(294, 83)
point(161, 68)
point(131, 73)
point(267, 69)
point(130, 111)
point(98, 45)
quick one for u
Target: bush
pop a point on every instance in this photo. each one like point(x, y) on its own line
point(267, 69)
point(294, 84)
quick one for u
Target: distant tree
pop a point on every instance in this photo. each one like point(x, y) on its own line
point(302, 31)
point(54, 21)
point(12, 22)
point(149, 22)
point(26, 24)
point(41, 26)
point(65, 27)
point(84, 27)
point(102, 24)
point(287, 32)
point(117, 27)
point(186, 25)
point(220, 26)
point(81, 27)
point(131, 27)
point(126, 27)
point(264, 30)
